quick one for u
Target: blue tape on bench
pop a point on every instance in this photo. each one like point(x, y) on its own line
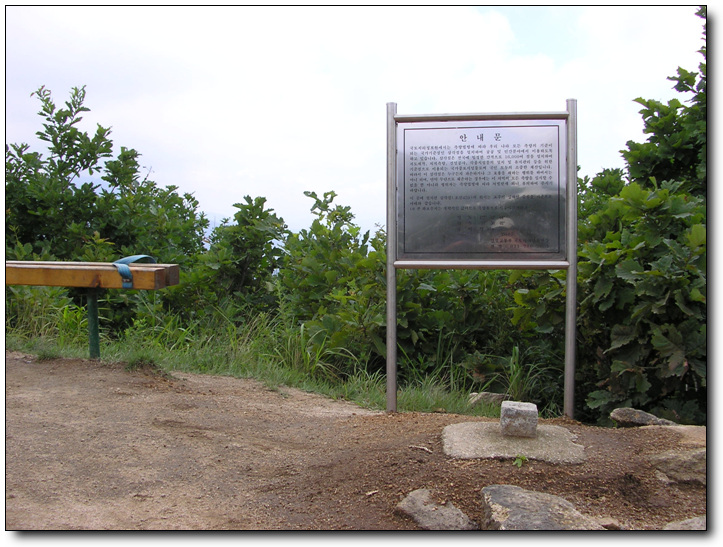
point(125, 272)
point(126, 275)
point(134, 258)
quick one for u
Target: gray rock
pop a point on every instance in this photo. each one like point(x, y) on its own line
point(608, 523)
point(487, 397)
point(690, 435)
point(695, 523)
point(430, 515)
point(632, 417)
point(513, 508)
point(518, 419)
point(686, 466)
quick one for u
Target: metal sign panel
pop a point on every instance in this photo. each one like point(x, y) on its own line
point(482, 191)
point(471, 192)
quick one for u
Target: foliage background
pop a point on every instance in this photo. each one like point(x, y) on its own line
point(313, 301)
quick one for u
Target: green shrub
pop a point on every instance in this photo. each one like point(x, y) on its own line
point(644, 305)
point(310, 307)
point(332, 282)
point(642, 272)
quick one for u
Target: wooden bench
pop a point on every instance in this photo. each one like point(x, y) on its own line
point(93, 277)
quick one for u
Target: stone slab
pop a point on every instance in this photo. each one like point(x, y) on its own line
point(690, 435)
point(682, 466)
point(430, 515)
point(695, 523)
point(471, 440)
point(508, 507)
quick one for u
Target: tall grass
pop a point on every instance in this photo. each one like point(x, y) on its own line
point(526, 376)
point(262, 346)
point(35, 311)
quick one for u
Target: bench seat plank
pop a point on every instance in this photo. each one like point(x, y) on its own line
point(89, 274)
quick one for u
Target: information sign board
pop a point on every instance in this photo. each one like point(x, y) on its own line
point(482, 191)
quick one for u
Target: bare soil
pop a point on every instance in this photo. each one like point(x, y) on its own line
point(91, 445)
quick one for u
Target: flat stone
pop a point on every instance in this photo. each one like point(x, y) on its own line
point(609, 523)
point(632, 417)
point(487, 397)
point(695, 523)
point(681, 467)
point(690, 435)
point(518, 419)
point(470, 440)
point(508, 507)
point(430, 515)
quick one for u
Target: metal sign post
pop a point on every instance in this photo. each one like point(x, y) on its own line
point(391, 270)
point(571, 282)
point(482, 191)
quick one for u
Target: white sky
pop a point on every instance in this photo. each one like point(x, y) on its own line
point(228, 101)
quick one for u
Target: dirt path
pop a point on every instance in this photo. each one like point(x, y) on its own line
point(92, 446)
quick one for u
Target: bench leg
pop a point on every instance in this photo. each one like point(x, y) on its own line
point(93, 333)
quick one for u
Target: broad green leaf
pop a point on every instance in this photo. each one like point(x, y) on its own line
point(669, 347)
point(598, 398)
point(602, 287)
point(696, 236)
point(696, 296)
point(634, 193)
point(629, 270)
point(606, 304)
point(621, 335)
point(682, 304)
point(620, 366)
point(520, 295)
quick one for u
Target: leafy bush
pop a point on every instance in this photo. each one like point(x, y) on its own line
point(291, 306)
point(644, 267)
point(645, 302)
point(677, 148)
point(332, 283)
point(642, 321)
point(331, 280)
point(132, 214)
point(446, 315)
point(238, 268)
point(52, 214)
point(44, 204)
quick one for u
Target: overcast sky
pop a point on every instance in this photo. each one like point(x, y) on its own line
point(228, 101)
